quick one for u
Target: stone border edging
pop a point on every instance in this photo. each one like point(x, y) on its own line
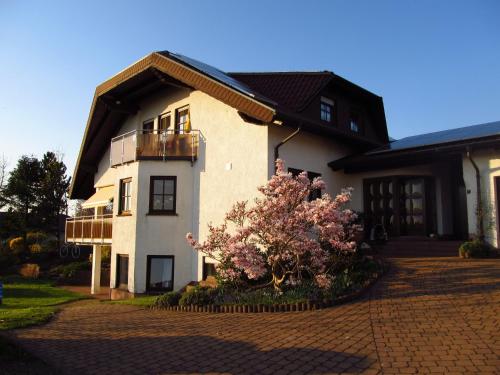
point(285, 307)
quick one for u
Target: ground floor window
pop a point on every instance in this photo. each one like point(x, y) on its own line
point(208, 269)
point(121, 271)
point(160, 273)
point(315, 194)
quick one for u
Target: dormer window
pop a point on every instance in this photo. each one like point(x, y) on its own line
point(354, 123)
point(326, 109)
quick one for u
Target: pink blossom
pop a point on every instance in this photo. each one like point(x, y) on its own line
point(282, 233)
point(324, 281)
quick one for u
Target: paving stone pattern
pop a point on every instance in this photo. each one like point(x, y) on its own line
point(427, 315)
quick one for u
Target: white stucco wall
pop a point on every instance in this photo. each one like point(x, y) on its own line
point(124, 227)
point(164, 234)
point(488, 162)
point(311, 153)
point(231, 163)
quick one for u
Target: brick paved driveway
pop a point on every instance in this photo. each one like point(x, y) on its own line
point(426, 315)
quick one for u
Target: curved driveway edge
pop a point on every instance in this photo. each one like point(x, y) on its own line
point(439, 315)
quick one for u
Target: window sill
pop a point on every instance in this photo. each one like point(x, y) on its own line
point(162, 214)
point(124, 214)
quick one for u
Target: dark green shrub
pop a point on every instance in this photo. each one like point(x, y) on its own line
point(199, 297)
point(167, 300)
point(474, 249)
point(69, 270)
point(36, 237)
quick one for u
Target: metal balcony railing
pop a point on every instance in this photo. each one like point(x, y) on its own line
point(89, 229)
point(154, 145)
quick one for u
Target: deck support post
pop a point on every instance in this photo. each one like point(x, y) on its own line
point(96, 270)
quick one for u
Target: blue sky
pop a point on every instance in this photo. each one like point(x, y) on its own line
point(435, 63)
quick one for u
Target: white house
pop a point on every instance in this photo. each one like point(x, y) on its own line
point(171, 143)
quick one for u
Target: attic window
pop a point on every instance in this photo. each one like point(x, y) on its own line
point(326, 109)
point(354, 123)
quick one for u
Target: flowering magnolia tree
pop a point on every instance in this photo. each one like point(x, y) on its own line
point(283, 236)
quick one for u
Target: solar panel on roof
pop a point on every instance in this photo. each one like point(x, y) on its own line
point(218, 75)
point(444, 136)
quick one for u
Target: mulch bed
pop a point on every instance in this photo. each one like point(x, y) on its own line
point(286, 307)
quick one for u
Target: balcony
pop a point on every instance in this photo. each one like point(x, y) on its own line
point(89, 230)
point(154, 145)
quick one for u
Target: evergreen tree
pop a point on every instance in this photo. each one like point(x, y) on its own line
point(52, 192)
point(3, 180)
point(22, 191)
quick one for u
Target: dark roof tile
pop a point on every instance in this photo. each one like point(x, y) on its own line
point(292, 90)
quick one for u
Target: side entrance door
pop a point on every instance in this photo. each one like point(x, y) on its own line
point(122, 271)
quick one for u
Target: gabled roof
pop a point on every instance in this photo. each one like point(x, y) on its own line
point(259, 96)
point(113, 101)
point(218, 75)
point(292, 90)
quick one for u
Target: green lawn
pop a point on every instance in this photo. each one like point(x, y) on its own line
point(144, 301)
point(28, 302)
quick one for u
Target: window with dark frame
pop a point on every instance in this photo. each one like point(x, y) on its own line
point(148, 126)
point(181, 119)
point(354, 123)
point(121, 281)
point(208, 269)
point(162, 195)
point(164, 122)
point(160, 273)
point(327, 109)
point(315, 194)
point(125, 196)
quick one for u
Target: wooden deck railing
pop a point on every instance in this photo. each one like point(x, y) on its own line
point(154, 145)
point(89, 229)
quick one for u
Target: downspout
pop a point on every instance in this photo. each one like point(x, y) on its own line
point(479, 210)
point(277, 147)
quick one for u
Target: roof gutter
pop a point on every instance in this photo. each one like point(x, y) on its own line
point(285, 140)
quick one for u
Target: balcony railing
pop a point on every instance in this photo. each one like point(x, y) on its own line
point(89, 229)
point(154, 145)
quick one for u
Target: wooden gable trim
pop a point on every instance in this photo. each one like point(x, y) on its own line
point(195, 79)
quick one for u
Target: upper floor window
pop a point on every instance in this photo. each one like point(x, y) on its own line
point(125, 196)
point(327, 109)
point(148, 126)
point(354, 123)
point(182, 121)
point(162, 195)
point(164, 122)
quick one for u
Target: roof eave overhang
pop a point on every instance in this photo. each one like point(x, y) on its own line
point(293, 119)
point(244, 103)
point(419, 155)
